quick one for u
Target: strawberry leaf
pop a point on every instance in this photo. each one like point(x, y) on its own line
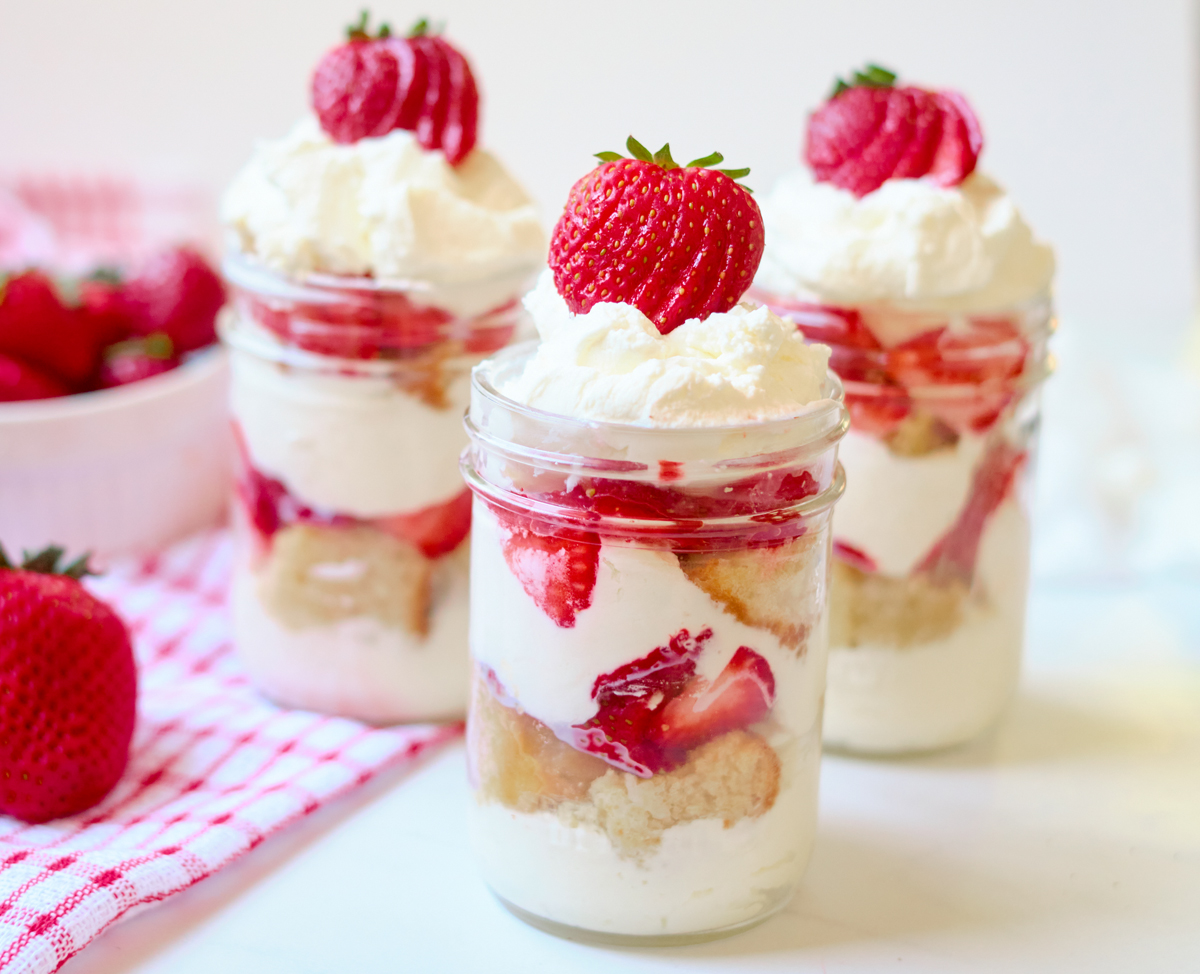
point(609, 156)
point(663, 157)
point(637, 150)
point(705, 161)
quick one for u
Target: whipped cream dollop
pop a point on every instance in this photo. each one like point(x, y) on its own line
point(909, 243)
point(612, 364)
point(388, 208)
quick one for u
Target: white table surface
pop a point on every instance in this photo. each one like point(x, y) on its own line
point(1067, 840)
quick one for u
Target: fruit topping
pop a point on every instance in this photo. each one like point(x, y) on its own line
point(68, 683)
point(741, 695)
point(557, 568)
point(677, 242)
point(375, 83)
point(952, 558)
point(436, 530)
point(853, 556)
point(870, 131)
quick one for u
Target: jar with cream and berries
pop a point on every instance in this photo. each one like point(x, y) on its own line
point(371, 267)
point(653, 486)
point(934, 297)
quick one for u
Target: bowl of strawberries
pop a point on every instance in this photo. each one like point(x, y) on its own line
point(114, 434)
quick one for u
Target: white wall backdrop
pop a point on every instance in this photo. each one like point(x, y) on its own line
point(1087, 106)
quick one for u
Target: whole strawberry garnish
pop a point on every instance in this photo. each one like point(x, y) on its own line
point(373, 84)
point(677, 242)
point(68, 690)
point(38, 328)
point(176, 292)
point(870, 131)
point(137, 359)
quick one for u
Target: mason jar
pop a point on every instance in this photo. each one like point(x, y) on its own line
point(351, 518)
point(931, 542)
point(648, 636)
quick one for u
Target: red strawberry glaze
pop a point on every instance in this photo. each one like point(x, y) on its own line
point(953, 556)
point(269, 507)
point(632, 699)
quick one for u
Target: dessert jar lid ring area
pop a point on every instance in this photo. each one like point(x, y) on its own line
point(625, 451)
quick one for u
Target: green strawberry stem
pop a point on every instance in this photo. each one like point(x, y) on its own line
point(46, 562)
point(155, 345)
point(360, 30)
point(663, 158)
point(873, 77)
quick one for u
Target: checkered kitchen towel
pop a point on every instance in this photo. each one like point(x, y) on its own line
point(214, 770)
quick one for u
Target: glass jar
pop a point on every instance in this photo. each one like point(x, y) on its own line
point(931, 542)
point(648, 633)
point(350, 586)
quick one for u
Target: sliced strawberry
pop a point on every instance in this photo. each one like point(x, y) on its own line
point(632, 701)
point(823, 323)
point(953, 556)
point(960, 143)
point(741, 695)
point(354, 87)
point(879, 413)
point(677, 242)
point(870, 131)
point(432, 122)
point(556, 566)
point(462, 114)
point(436, 530)
point(20, 381)
point(413, 65)
point(854, 557)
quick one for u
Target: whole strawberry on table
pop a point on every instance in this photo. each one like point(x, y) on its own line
point(68, 690)
point(60, 336)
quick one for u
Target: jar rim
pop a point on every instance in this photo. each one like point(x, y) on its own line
point(243, 270)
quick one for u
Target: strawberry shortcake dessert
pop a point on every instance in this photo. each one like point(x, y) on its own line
point(934, 296)
point(376, 254)
point(653, 485)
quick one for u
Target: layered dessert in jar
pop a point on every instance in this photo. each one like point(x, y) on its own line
point(649, 560)
point(934, 296)
point(376, 254)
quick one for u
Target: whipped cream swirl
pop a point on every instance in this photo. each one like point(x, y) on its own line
point(612, 364)
point(910, 243)
point(385, 207)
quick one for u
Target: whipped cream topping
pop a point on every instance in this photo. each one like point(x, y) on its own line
point(612, 365)
point(388, 208)
point(909, 243)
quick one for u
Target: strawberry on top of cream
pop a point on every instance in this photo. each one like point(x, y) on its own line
point(388, 208)
point(612, 364)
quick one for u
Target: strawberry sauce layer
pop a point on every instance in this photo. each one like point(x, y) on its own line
point(966, 378)
point(556, 559)
point(269, 507)
point(368, 323)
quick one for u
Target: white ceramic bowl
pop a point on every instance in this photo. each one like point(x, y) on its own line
point(122, 470)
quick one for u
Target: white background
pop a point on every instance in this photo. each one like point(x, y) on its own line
point(1087, 107)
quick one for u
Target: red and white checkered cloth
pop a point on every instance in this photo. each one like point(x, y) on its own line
point(215, 769)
